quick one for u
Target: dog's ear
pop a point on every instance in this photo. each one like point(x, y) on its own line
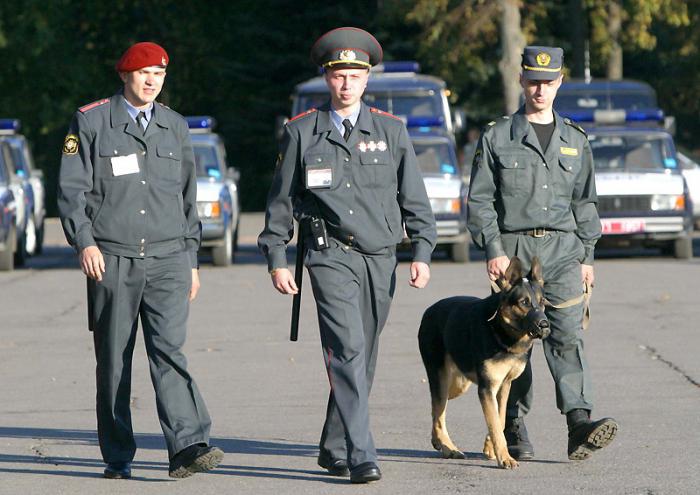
point(536, 271)
point(513, 274)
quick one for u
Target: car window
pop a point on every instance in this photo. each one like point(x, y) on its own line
point(207, 161)
point(617, 153)
point(435, 158)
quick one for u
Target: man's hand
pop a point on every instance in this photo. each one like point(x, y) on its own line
point(496, 267)
point(92, 263)
point(195, 284)
point(420, 274)
point(587, 274)
point(283, 281)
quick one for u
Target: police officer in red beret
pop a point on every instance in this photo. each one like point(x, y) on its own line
point(127, 201)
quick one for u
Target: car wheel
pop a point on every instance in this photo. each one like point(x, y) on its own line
point(7, 258)
point(39, 239)
point(459, 252)
point(21, 254)
point(30, 239)
point(222, 255)
point(683, 248)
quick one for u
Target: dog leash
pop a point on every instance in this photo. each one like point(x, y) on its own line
point(584, 298)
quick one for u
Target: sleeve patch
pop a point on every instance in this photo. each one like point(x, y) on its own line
point(70, 144)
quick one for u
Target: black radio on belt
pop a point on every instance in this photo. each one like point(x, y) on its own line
point(319, 233)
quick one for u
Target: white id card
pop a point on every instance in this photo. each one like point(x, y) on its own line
point(122, 165)
point(319, 177)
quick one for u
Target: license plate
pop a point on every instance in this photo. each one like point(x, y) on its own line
point(611, 226)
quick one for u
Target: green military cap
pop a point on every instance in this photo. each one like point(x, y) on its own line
point(348, 48)
point(542, 63)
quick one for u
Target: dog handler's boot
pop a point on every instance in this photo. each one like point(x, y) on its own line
point(586, 436)
point(519, 446)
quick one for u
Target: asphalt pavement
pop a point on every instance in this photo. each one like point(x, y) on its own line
point(267, 395)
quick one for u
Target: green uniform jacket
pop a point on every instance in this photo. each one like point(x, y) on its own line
point(373, 187)
point(149, 211)
point(516, 186)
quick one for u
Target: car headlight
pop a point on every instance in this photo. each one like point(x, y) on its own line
point(445, 205)
point(661, 202)
point(209, 209)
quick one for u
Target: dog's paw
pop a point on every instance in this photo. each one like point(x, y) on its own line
point(489, 451)
point(448, 453)
point(508, 463)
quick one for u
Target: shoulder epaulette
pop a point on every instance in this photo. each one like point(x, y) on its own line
point(573, 124)
point(302, 114)
point(382, 112)
point(164, 105)
point(94, 104)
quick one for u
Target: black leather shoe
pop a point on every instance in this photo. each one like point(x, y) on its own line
point(335, 467)
point(365, 472)
point(118, 470)
point(519, 446)
point(585, 437)
point(197, 458)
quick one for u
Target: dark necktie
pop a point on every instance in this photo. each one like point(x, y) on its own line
point(141, 120)
point(348, 129)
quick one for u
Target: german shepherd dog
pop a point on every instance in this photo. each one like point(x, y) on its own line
point(465, 340)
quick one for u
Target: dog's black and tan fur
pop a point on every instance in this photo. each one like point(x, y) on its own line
point(465, 340)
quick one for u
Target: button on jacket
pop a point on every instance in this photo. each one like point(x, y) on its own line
point(148, 210)
point(374, 185)
point(517, 186)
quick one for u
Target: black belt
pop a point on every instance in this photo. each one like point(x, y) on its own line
point(340, 236)
point(538, 232)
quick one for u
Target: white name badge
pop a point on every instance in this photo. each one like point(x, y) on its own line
point(319, 177)
point(123, 165)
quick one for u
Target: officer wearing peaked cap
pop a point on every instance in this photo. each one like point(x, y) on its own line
point(127, 200)
point(532, 193)
point(352, 169)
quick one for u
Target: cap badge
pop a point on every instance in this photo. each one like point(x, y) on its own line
point(347, 55)
point(163, 61)
point(543, 59)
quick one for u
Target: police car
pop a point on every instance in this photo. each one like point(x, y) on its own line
point(33, 186)
point(447, 190)
point(218, 203)
point(8, 209)
point(691, 172)
point(642, 195)
point(398, 88)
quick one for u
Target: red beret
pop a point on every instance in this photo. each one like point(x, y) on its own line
point(140, 55)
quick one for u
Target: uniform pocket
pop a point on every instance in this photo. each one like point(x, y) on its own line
point(169, 162)
point(376, 169)
point(321, 172)
point(566, 178)
point(512, 172)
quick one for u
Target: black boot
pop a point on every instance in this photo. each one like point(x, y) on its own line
point(519, 446)
point(586, 436)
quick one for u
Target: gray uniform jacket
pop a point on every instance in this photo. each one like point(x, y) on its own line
point(515, 186)
point(130, 194)
point(365, 188)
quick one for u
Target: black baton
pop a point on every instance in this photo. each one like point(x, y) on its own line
point(298, 279)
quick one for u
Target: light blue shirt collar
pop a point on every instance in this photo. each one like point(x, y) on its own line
point(133, 111)
point(338, 120)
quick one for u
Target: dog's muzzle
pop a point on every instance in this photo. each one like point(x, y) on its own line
point(541, 329)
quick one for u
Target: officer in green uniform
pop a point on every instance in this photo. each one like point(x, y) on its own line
point(127, 200)
point(352, 169)
point(532, 193)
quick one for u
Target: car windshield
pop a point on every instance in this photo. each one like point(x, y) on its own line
point(207, 161)
point(421, 104)
point(435, 158)
point(600, 100)
point(633, 153)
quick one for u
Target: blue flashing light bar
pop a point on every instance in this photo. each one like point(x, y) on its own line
point(201, 122)
point(616, 116)
point(401, 66)
point(424, 122)
point(10, 125)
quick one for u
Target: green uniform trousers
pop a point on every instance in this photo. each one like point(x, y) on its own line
point(156, 289)
point(561, 254)
point(353, 293)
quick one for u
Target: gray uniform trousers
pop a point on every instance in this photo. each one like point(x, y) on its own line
point(561, 254)
point(156, 289)
point(353, 293)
